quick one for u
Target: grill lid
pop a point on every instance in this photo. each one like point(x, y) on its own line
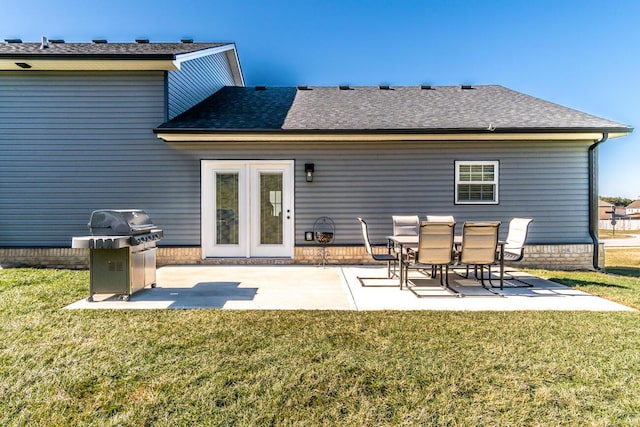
point(119, 222)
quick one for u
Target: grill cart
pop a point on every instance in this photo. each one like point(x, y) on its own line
point(122, 256)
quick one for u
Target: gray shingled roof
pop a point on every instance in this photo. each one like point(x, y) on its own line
point(401, 109)
point(234, 107)
point(102, 50)
point(633, 205)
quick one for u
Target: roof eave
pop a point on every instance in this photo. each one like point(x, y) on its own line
point(620, 129)
point(84, 63)
point(205, 134)
point(113, 61)
point(89, 56)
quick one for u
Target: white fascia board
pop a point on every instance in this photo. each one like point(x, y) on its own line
point(364, 137)
point(236, 69)
point(88, 65)
point(618, 134)
point(182, 57)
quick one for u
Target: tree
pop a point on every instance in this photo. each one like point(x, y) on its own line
point(618, 201)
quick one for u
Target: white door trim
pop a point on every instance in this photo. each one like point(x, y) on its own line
point(248, 216)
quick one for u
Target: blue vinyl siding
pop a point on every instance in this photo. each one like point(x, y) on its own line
point(546, 181)
point(74, 142)
point(197, 79)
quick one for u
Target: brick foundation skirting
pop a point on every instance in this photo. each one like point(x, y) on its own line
point(560, 257)
point(44, 258)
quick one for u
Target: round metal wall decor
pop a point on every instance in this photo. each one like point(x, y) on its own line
point(324, 231)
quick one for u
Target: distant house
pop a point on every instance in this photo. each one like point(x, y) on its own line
point(613, 217)
point(633, 208)
point(241, 174)
point(606, 210)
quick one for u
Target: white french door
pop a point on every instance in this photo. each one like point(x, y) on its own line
point(247, 208)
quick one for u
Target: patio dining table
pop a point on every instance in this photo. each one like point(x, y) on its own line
point(411, 242)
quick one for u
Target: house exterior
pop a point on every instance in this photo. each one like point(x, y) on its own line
point(612, 217)
point(633, 208)
point(76, 134)
point(627, 218)
point(242, 174)
point(606, 210)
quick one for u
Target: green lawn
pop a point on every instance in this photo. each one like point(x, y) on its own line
point(620, 284)
point(213, 367)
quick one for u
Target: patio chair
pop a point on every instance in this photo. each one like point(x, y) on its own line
point(389, 258)
point(440, 218)
point(405, 225)
point(480, 248)
point(514, 247)
point(435, 251)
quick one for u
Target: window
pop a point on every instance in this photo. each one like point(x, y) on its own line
point(477, 182)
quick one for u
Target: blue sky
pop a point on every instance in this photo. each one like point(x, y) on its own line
point(583, 54)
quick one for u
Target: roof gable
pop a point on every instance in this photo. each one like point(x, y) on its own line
point(634, 205)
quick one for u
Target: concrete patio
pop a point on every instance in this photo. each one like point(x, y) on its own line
point(337, 288)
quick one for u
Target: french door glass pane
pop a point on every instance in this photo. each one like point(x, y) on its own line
point(271, 208)
point(227, 208)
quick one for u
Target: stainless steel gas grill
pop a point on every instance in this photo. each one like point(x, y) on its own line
point(122, 251)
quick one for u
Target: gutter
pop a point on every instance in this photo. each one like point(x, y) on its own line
point(593, 198)
point(423, 131)
point(89, 56)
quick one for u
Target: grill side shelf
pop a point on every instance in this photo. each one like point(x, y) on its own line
point(100, 242)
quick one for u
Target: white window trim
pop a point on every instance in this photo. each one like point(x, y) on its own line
point(495, 182)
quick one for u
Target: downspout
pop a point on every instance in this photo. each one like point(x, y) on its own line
point(593, 198)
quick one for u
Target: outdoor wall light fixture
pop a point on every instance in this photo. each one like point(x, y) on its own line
point(309, 168)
